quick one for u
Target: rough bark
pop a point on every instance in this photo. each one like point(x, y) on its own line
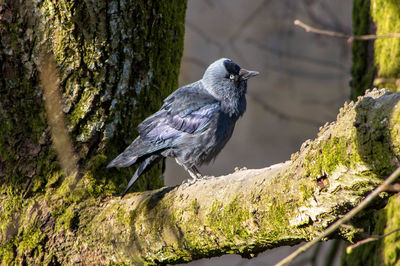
point(76, 77)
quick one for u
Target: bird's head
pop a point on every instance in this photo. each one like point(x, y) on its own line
point(225, 79)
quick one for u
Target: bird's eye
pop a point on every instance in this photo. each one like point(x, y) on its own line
point(232, 77)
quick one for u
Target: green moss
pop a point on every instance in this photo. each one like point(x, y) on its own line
point(307, 192)
point(363, 188)
point(391, 243)
point(81, 108)
point(369, 144)
point(194, 207)
point(278, 216)
point(386, 15)
point(21, 111)
point(67, 219)
point(394, 129)
point(10, 208)
point(125, 217)
point(20, 232)
point(362, 70)
point(7, 253)
point(385, 251)
point(30, 240)
point(230, 219)
point(332, 153)
point(373, 139)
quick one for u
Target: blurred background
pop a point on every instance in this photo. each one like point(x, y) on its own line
point(303, 83)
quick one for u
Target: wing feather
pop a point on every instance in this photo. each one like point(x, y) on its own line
point(187, 110)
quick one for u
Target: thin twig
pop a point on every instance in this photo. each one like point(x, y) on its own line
point(349, 38)
point(349, 249)
point(364, 203)
point(392, 188)
point(319, 31)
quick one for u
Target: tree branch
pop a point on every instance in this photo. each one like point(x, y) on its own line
point(245, 212)
point(363, 204)
point(350, 248)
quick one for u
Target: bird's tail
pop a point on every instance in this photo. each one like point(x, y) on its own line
point(123, 160)
point(143, 167)
point(129, 156)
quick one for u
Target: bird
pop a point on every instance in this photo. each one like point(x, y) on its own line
point(193, 124)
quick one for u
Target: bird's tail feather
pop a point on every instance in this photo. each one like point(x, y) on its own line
point(123, 160)
point(143, 167)
point(130, 155)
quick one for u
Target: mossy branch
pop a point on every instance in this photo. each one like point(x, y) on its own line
point(350, 215)
point(245, 212)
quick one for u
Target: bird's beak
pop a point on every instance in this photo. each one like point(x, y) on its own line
point(246, 74)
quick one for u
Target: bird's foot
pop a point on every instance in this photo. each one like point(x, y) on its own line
point(189, 182)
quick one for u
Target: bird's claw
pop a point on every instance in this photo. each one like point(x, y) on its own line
point(189, 182)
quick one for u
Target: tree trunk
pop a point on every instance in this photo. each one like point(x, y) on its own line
point(384, 17)
point(76, 78)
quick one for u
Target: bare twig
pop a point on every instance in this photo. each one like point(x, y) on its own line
point(349, 38)
point(392, 188)
point(364, 203)
point(319, 31)
point(349, 249)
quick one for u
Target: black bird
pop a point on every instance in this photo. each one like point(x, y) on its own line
point(194, 123)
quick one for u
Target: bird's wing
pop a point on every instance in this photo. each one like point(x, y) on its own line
point(187, 111)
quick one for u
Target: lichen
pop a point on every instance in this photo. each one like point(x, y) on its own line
point(333, 153)
point(366, 144)
point(386, 15)
point(306, 192)
point(229, 219)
